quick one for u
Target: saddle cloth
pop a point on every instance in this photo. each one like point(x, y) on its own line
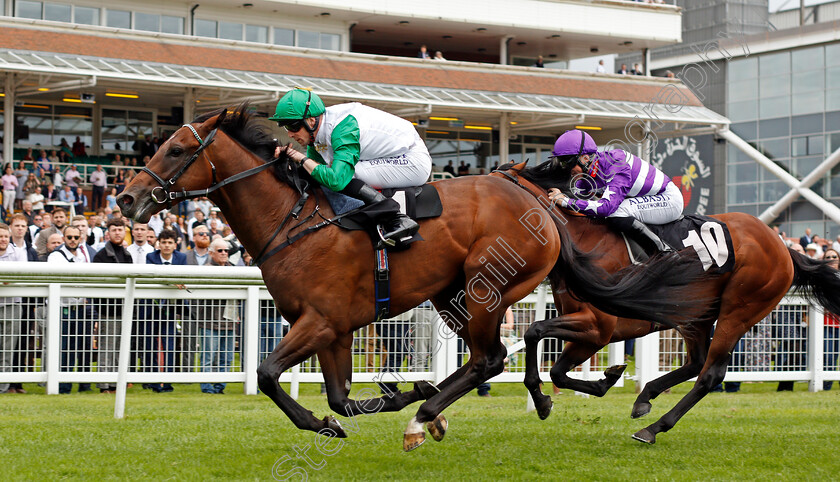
point(707, 237)
point(420, 202)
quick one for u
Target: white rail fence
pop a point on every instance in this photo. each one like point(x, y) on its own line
point(97, 323)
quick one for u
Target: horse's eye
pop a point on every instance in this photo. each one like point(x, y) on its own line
point(176, 152)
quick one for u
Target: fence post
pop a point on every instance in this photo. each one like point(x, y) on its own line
point(615, 356)
point(52, 344)
point(125, 347)
point(251, 339)
point(647, 359)
point(816, 334)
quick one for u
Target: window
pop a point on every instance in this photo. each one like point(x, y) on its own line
point(809, 103)
point(230, 31)
point(743, 69)
point(743, 111)
point(28, 9)
point(743, 172)
point(774, 86)
point(169, 24)
point(774, 107)
point(46, 125)
point(57, 12)
point(86, 15)
point(205, 28)
point(330, 41)
point(284, 36)
point(124, 128)
point(774, 64)
point(310, 40)
point(807, 59)
point(776, 148)
point(256, 33)
point(119, 19)
point(147, 21)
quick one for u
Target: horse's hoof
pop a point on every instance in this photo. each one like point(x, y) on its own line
point(437, 427)
point(646, 436)
point(331, 423)
point(543, 406)
point(425, 389)
point(640, 409)
point(413, 440)
point(615, 371)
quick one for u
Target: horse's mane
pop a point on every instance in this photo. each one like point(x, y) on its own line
point(545, 175)
point(245, 127)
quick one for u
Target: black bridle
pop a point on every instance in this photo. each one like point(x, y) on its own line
point(166, 186)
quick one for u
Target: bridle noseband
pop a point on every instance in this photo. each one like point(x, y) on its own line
point(165, 186)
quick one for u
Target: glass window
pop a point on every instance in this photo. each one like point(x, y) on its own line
point(147, 21)
point(27, 9)
point(170, 24)
point(800, 146)
point(774, 107)
point(743, 69)
point(807, 124)
point(832, 99)
point(86, 15)
point(230, 30)
point(745, 130)
point(772, 191)
point(774, 64)
point(834, 183)
point(815, 145)
point(119, 18)
point(256, 33)
point(776, 148)
point(743, 193)
point(809, 102)
point(805, 165)
point(807, 59)
point(774, 86)
point(311, 40)
point(70, 122)
point(832, 54)
point(774, 127)
point(743, 172)
point(330, 41)
point(57, 12)
point(205, 28)
point(284, 36)
point(832, 78)
point(743, 111)
point(745, 89)
point(833, 142)
point(808, 81)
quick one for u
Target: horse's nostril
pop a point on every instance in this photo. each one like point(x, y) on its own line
point(126, 200)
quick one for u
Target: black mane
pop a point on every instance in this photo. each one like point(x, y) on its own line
point(546, 176)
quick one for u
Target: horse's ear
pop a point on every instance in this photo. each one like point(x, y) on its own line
point(220, 119)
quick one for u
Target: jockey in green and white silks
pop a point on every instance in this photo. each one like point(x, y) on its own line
point(352, 148)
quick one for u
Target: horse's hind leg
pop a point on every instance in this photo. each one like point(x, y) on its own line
point(697, 344)
point(337, 366)
point(306, 336)
point(573, 355)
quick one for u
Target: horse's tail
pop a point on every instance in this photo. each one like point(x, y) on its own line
point(816, 281)
point(657, 290)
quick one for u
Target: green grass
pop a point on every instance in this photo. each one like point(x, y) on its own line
point(755, 434)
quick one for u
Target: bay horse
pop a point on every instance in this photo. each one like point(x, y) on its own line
point(493, 244)
point(764, 271)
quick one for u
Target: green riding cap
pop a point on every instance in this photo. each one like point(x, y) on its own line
point(292, 106)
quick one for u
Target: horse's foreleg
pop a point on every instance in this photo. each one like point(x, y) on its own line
point(575, 353)
point(306, 336)
point(337, 365)
point(697, 345)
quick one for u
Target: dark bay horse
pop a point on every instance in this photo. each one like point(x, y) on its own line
point(492, 246)
point(765, 269)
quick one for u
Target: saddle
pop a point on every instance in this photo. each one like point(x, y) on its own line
point(420, 202)
point(709, 238)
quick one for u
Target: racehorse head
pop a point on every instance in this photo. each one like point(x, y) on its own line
point(195, 159)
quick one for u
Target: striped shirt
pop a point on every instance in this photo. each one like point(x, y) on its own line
point(616, 176)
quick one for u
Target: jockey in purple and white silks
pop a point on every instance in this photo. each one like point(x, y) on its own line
point(618, 186)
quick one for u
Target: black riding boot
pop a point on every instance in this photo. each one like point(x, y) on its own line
point(397, 226)
point(640, 233)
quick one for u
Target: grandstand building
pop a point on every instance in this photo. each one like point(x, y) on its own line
point(114, 72)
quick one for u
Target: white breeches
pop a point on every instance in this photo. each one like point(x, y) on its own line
point(410, 169)
point(655, 209)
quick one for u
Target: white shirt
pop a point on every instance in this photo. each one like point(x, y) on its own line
point(80, 257)
point(138, 253)
point(99, 178)
point(12, 254)
point(156, 224)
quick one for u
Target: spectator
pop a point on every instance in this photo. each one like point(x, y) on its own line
point(119, 181)
point(44, 164)
point(19, 239)
point(99, 181)
point(197, 220)
point(10, 185)
point(831, 330)
point(111, 199)
point(53, 157)
point(110, 310)
point(638, 70)
point(539, 62)
point(201, 254)
point(507, 331)
point(59, 218)
point(22, 174)
point(623, 70)
point(393, 333)
point(36, 226)
point(217, 319)
point(272, 327)
point(812, 251)
point(140, 248)
point(10, 311)
point(78, 148)
point(50, 193)
point(82, 224)
point(204, 205)
point(156, 223)
point(19, 232)
point(451, 170)
point(28, 212)
point(65, 147)
point(669, 74)
point(438, 55)
point(789, 331)
point(72, 177)
point(76, 323)
point(118, 161)
point(601, 69)
point(54, 242)
point(66, 195)
point(28, 156)
point(423, 53)
point(836, 244)
point(463, 169)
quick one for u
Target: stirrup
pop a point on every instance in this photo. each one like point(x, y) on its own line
point(381, 232)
